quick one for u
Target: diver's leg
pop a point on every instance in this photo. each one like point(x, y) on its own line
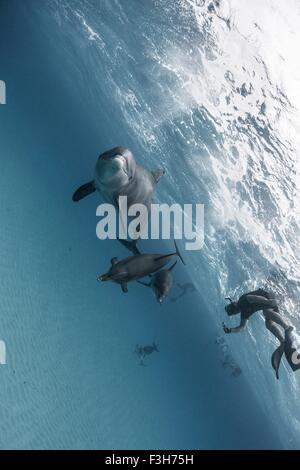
point(270, 314)
point(275, 330)
point(273, 321)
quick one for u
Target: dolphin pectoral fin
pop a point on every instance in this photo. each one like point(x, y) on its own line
point(157, 174)
point(276, 359)
point(83, 191)
point(124, 287)
point(147, 284)
point(114, 260)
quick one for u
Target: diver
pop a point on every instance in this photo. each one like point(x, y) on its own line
point(252, 302)
point(143, 351)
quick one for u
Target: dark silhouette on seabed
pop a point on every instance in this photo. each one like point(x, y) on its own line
point(187, 287)
point(143, 351)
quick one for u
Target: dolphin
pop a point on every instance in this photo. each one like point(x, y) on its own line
point(161, 282)
point(276, 358)
point(117, 174)
point(136, 267)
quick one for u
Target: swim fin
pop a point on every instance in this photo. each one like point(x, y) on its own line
point(292, 348)
point(276, 359)
point(83, 191)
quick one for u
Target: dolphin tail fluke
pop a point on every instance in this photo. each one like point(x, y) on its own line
point(178, 252)
point(157, 174)
point(173, 266)
point(83, 191)
point(276, 359)
point(131, 245)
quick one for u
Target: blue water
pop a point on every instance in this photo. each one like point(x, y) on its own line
point(85, 76)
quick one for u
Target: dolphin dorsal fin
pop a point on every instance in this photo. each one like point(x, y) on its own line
point(114, 260)
point(157, 174)
point(84, 190)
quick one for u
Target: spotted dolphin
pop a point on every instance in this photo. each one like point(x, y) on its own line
point(161, 283)
point(136, 267)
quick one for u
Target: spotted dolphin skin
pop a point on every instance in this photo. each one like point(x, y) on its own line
point(136, 267)
point(161, 283)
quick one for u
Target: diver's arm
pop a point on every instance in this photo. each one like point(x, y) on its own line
point(237, 329)
point(258, 299)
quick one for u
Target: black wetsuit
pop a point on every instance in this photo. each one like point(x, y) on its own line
point(247, 309)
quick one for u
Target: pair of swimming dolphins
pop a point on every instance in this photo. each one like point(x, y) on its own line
point(117, 174)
